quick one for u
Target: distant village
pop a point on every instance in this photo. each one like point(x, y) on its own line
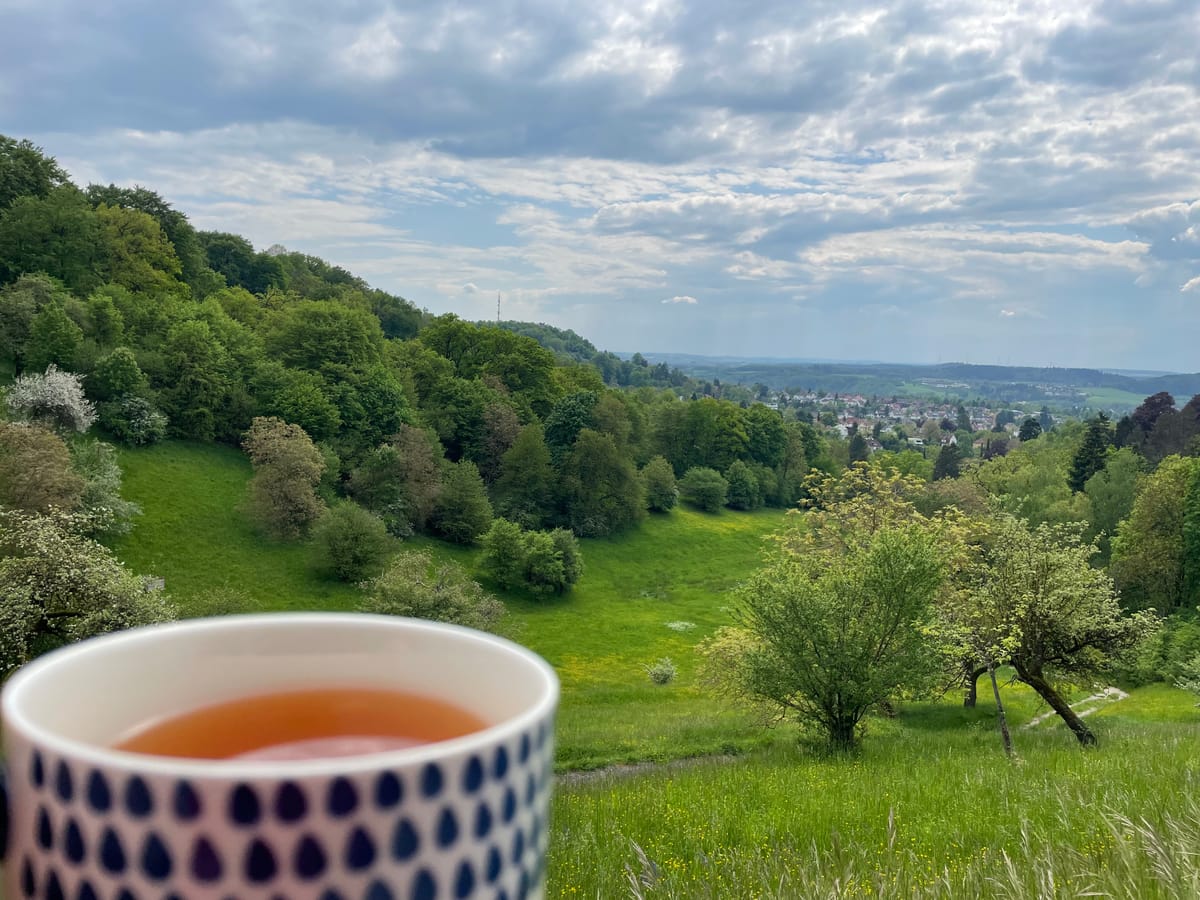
point(898, 423)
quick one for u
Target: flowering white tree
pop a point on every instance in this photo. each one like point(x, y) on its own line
point(57, 586)
point(54, 398)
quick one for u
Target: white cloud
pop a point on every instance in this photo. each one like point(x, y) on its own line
point(1008, 313)
point(683, 298)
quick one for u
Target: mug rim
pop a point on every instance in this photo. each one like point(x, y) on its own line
point(16, 722)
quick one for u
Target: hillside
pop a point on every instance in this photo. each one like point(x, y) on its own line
point(674, 568)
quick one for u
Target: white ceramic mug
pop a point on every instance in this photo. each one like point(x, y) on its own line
point(465, 817)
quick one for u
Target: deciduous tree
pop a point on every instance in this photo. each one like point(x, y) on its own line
point(287, 469)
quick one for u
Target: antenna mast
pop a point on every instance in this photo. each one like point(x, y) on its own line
point(497, 307)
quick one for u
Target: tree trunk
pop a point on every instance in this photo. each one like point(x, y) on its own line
point(841, 734)
point(972, 675)
point(1005, 736)
point(1047, 692)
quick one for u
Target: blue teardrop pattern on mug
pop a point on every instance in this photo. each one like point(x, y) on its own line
point(260, 866)
point(86, 891)
point(343, 798)
point(378, 891)
point(290, 803)
point(112, 854)
point(99, 797)
point(186, 802)
point(473, 775)
point(64, 783)
point(206, 863)
point(447, 828)
point(464, 881)
point(74, 847)
point(53, 889)
point(244, 808)
point(37, 770)
point(156, 859)
point(360, 851)
point(424, 886)
point(389, 790)
point(500, 763)
point(431, 780)
point(483, 821)
point(310, 860)
point(44, 831)
point(405, 841)
point(137, 798)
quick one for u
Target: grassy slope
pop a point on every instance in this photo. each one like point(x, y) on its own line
point(790, 822)
point(675, 568)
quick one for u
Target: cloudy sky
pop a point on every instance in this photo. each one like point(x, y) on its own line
point(980, 180)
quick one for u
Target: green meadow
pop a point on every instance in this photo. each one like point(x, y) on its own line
point(720, 806)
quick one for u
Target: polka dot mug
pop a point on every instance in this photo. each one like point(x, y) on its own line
point(465, 817)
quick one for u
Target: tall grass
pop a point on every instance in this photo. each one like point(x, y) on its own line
point(919, 813)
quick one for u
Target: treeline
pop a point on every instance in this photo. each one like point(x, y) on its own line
point(195, 335)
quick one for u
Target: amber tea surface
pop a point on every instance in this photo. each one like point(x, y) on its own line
point(304, 724)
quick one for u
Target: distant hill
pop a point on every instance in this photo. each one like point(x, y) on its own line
point(1065, 388)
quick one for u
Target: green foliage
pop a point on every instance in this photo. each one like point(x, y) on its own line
point(658, 481)
point(1039, 604)
point(1031, 428)
point(35, 470)
point(102, 510)
point(325, 336)
point(503, 559)
point(523, 489)
point(1148, 553)
point(704, 489)
point(947, 463)
point(57, 234)
point(298, 396)
point(134, 421)
point(462, 511)
point(53, 339)
point(57, 586)
point(138, 255)
point(662, 672)
point(1092, 453)
point(600, 490)
point(832, 625)
point(350, 542)
point(20, 302)
point(116, 376)
point(234, 257)
point(829, 644)
point(287, 469)
point(1030, 482)
point(542, 562)
point(742, 487)
point(1110, 493)
point(858, 449)
point(26, 171)
point(567, 419)
point(415, 585)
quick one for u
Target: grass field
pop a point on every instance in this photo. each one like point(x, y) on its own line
point(929, 808)
point(1112, 398)
point(675, 568)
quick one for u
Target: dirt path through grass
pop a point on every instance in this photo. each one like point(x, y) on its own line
point(1101, 699)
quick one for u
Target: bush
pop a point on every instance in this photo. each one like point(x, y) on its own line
point(462, 511)
point(658, 480)
point(743, 490)
point(704, 488)
point(134, 421)
point(662, 672)
point(351, 543)
point(543, 562)
point(412, 585)
point(54, 399)
point(287, 469)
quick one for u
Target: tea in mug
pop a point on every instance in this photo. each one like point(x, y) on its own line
point(304, 724)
